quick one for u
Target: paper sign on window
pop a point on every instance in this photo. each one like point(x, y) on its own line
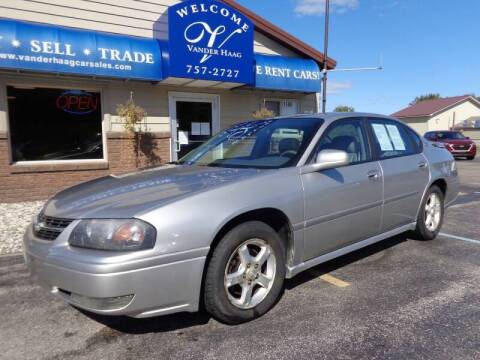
point(205, 128)
point(196, 128)
point(396, 138)
point(183, 137)
point(382, 137)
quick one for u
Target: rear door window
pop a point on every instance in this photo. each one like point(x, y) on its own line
point(391, 139)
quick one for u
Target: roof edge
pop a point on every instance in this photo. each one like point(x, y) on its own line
point(469, 97)
point(456, 103)
point(281, 36)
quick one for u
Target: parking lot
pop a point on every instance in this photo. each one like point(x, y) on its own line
point(399, 299)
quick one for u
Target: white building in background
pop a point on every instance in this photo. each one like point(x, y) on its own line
point(441, 114)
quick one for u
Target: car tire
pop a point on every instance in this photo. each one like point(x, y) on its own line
point(470, 157)
point(430, 217)
point(231, 273)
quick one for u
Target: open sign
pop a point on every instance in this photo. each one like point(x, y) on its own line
point(77, 102)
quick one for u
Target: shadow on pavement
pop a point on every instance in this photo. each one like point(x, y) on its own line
point(344, 260)
point(151, 325)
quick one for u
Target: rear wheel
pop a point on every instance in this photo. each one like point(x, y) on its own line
point(245, 275)
point(430, 218)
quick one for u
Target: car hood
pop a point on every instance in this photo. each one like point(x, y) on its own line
point(127, 195)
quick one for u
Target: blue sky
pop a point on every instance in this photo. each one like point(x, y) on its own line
point(426, 46)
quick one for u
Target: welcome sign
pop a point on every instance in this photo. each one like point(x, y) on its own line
point(60, 50)
point(210, 40)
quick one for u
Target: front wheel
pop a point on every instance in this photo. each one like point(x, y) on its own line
point(245, 274)
point(430, 218)
point(470, 157)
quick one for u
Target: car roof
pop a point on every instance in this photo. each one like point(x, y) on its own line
point(332, 116)
point(445, 131)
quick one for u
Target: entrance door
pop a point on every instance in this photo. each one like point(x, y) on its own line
point(194, 125)
point(194, 119)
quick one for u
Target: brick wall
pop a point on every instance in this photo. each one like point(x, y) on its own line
point(40, 181)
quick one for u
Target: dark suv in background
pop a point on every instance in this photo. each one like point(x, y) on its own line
point(458, 144)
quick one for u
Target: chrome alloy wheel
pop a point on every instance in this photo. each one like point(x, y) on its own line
point(250, 273)
point(433, 212)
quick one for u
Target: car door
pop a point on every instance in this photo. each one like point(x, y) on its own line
point(404, 168)
point(342, 205)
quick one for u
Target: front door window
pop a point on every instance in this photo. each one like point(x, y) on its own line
point(346, 135)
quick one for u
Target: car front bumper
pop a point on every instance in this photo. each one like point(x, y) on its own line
point(471, 151)
point(116, 284)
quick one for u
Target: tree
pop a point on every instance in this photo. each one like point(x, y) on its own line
point(431, 96)
point(263, 113)
point(142, 141)
point(344, 108)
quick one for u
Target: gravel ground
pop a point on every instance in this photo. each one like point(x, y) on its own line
point(13, 220)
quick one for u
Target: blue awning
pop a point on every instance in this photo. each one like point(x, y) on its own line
point(34, 47)
point(47, 48)
point(288, 74)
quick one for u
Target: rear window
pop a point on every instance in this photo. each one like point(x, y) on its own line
point(451, 135)
point(416, 139)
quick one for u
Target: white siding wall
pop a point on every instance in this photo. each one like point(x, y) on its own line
point(445, 120)
point(265, 45)
point(126, 17)
point(420, 124)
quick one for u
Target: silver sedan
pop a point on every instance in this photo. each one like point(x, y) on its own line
point(227, 224)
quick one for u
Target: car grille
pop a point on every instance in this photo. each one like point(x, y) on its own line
point(48, 228)
point(461, 147)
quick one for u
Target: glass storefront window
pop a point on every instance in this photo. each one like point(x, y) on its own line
point(54, 124)
point(282, 107)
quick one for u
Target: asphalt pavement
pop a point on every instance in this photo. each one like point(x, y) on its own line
point(399, 299)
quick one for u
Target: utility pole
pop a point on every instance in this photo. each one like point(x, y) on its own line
point(325, 53)
point(325, 70)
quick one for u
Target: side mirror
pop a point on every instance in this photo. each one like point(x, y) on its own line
point(467, 137)
point(327, 159)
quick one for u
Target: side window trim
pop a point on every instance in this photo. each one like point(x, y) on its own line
point(366, 139)
point(411, 134)
point(371, 140)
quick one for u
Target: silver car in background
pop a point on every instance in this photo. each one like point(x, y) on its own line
point(227, 224)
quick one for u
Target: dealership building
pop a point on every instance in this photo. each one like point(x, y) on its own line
point(195, 67)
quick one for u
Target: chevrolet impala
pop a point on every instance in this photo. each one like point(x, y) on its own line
point(223, 227)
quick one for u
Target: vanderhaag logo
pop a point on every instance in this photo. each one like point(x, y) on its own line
point(203, 38)
point(210, 40)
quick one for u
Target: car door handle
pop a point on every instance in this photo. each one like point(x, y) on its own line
point(373, 175)
point(422, 164)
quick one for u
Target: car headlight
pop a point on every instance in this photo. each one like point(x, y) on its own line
point(113, 234)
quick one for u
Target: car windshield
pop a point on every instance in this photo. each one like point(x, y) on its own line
point(262, 144)
point(450, 135)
